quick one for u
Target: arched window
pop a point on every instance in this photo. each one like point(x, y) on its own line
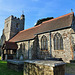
point(58, 42)
point(44, 43)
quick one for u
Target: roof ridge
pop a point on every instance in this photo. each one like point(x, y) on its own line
point(46, 22)
point(59, 17)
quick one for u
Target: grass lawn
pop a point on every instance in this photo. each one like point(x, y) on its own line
point(5, 71)
point(70, 68)
point(0, 57)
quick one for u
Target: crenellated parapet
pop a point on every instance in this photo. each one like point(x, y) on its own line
point(13, 25)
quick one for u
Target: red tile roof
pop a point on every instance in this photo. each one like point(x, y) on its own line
point(56, 23)
point(10, 45)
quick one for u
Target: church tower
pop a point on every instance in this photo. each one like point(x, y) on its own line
point(12, 26)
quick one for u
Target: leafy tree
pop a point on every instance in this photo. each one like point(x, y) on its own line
point(0, 46)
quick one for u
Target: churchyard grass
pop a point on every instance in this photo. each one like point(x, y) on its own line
point(70, 68)
point(5, 71)
point(0, 57)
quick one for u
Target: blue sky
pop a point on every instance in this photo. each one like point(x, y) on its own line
point(34, 10)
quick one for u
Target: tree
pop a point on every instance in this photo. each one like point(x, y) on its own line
point(0, 46)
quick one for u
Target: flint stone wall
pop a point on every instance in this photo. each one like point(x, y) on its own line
point(67, 53)
point(28, 49)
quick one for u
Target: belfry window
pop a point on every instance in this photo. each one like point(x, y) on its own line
point(44, 43)
point(58, 42)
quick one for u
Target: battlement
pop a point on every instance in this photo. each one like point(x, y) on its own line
point(14, 18)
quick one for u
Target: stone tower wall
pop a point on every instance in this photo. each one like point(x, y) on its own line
point(12, 26)
point(7, 28)
point(14, 29)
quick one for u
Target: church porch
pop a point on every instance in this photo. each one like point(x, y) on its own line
point(9, 50)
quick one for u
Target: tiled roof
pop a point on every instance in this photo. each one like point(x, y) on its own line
point(10, 45)
point(56, 23)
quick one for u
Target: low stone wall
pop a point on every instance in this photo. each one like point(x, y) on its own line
point(44, 67)
point(15, 65)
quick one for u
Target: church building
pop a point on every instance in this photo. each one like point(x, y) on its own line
point(49, 38)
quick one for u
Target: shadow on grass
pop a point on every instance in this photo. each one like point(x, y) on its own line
point(5, 71)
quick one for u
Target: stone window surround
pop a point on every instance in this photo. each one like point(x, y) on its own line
point(58, 42)
point(44, 43)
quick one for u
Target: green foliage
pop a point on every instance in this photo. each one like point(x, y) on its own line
point(42, 20)
point(5, 71)
point(0, 57)
point(0, 47)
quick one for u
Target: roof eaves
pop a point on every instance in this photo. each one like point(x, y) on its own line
point(24, 40)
